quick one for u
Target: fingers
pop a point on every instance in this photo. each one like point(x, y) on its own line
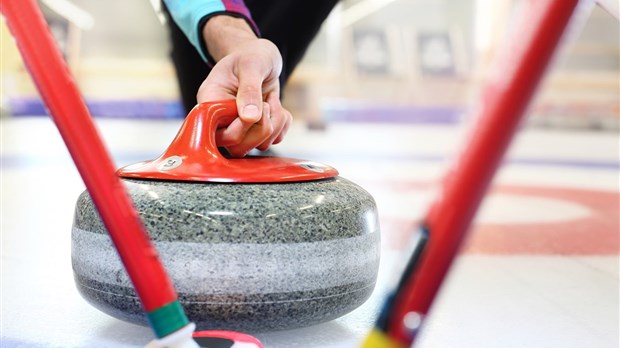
point(249, 92)
point(249, 75)
point(281, 120)
point(233, 134)
point(239, 140)
point(289, 119)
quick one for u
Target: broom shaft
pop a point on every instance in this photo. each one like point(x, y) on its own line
point(505, 100)
point(73, 120)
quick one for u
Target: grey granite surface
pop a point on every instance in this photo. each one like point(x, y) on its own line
point(249, 257)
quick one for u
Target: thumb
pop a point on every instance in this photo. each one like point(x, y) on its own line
point(249, 96)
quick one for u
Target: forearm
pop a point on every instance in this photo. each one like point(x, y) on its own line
point(222, 34)
point(192, 15)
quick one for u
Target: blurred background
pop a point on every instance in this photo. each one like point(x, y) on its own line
point(383, 94)
point(374, 60)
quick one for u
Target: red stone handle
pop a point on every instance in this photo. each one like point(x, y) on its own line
point(193, 155)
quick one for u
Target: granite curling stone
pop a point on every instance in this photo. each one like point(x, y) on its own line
point(246, 249)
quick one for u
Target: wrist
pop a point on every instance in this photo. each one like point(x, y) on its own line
point(223, 34)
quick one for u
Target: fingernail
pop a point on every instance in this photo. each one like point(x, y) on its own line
point(251, 112)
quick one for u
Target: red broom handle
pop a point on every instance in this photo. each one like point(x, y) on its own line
point(507, 96)
point(77, 129)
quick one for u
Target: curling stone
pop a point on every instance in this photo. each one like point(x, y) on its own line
point(257, 243)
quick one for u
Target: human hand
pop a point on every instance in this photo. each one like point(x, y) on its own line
point(247, 70)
